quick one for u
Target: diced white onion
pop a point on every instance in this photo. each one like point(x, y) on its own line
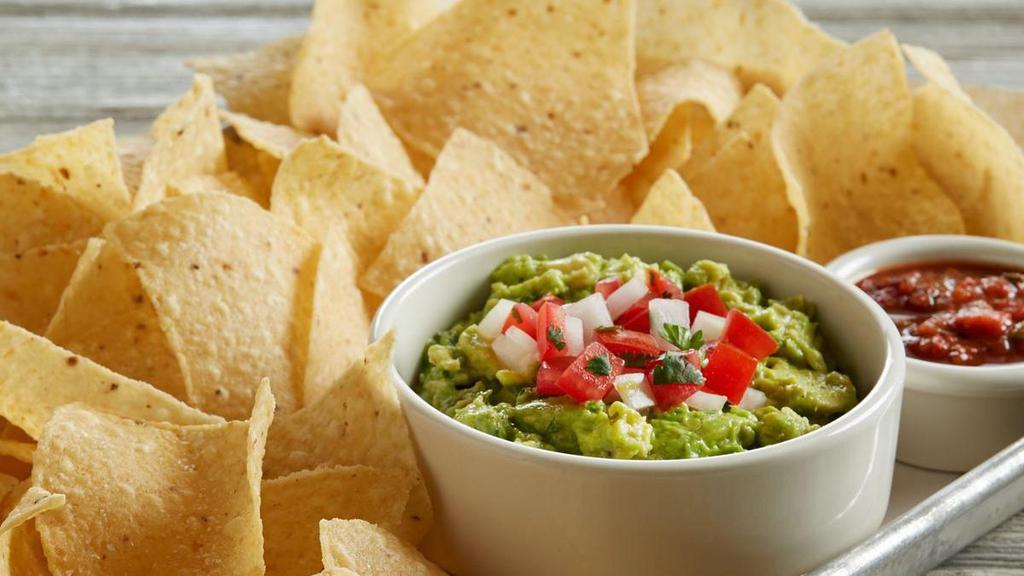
point(628, 294)
point(711, 325)
point(516, 350)
point(634, 391)
point(667, 311)
point(593, 312)
point(573, 335)
point(753, 399)
point(700, 400)
point(490, 327)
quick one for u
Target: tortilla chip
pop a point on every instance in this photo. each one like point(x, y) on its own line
point(32, 282)
point(257, 168)
point(358, 421)
point(370, 550)
point(255, 83)
point(552, 87)
point(274, 139)
point(293, 506)
point(7, 484)
point(321, 184)
point(132, 152)
point(336, 572)
point(37, 377)
point(934, 69)
point(472, 192)
point(843, 141)
point(33, 216)
point(187, 141)
point(21, 553)
point(766, 41)
point(81, 163)
point(33, 502)
point(755, 113)
point(20, 451)
point(670, 203)
point(364, 132)
point(189, 503)
point(1002, 105)
point(107, 316)
point(223, 183)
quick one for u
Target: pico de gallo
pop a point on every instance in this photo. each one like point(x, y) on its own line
point(954, 312)
point(619, 358)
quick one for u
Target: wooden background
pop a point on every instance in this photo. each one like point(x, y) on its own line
point(66, 62)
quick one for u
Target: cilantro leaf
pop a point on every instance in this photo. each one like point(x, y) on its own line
point(556, 337)
point(600, 365)
point(674, 368)
point(682, 337)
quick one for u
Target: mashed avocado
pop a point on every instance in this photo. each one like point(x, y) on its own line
point(462, 377)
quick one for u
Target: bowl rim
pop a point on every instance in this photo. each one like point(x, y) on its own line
point(936, 377)
point(885, 390)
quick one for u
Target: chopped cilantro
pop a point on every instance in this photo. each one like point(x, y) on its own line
point(600, 365)
point(674, 368)
point(556, 337)
point(608, 329)
point(516, 315)
point(682, 337)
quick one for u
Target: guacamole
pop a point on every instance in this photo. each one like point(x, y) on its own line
point(619, 358)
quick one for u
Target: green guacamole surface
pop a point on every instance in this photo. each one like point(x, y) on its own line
point(462, 377)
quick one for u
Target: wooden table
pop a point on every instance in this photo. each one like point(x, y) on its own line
point(66, 62)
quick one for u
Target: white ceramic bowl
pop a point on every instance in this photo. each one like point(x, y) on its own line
point(954, 417)
point(507, 509)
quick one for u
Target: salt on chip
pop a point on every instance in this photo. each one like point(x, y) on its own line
point(227, 280)
point(670, 203)
point(293, 505)
point(255, 83)
point(843, 138)
point(472, 191)
point(33, 215)
point(187, 141)
point(107, 316)
point(363, 131)
point(358, 421)
point(37, 377)
point(1003, 105)
point(31, 283)
point(81, 163)
point(767, 41)
point(370, 550)
point(188, 503)
point(551, 84)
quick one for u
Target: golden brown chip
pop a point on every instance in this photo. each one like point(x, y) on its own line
point(843, 140)
point(21, 553)
point(1003, 105)
point(107, 316)
point(227, 279)
point(358, 421)
point(32, 503)
point(274, 139)
point(257, 168)
point(20, 451)
point(187, 141)
point(370, 550)
point(255, 83)
point(37, 377)
point(551, 87)
point(33, 216)
point(132, 152)
point(31, 283)
point(364, 132)
point(81, 163)
point(472, 192)
point(293, 506)
point(223, 183)
point(934, 69)
point(754, 114)
point(670, 203)
point(766, 41)
point(188, 503)
point(7, 484)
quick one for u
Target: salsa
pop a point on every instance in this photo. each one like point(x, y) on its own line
point(620, 358)
point(954, 312)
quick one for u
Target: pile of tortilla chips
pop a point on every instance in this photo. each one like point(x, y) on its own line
point(185, 386)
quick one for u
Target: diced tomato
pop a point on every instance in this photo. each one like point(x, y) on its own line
point(607, 286)
point(548, 374)
point(745, 334)
point(705, 298)
point(729, 371)
point(546, 298)
point(628, 344)
point(981, 323)
point(669, 395)
point(662, 287)
point(523, 317)
point(579, 380)
point(551, 331)
point(637, 316)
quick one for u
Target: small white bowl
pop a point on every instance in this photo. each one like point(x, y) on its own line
point(954, 417)
point(507, 509)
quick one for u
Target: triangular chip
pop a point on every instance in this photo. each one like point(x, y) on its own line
point(1003, 105)
point(255, 83)
point(187, 141)
point(670, 203)
point(321, 184)
point(223, 183)
point(33, 215)
point(843, 140)
point(32, 282)
point(551, 84)
point(133, 151)
point(107, 316)
point(293, 506)
point(766, 41)
point(38, 377)
point(934, 69)
point(187, 503)
point(370, 550)
point(81, 163)
point(363, 131)
point(274, 139)
point(472, 192)
point(358, 421)
point(226, 279)
point(257, 168)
